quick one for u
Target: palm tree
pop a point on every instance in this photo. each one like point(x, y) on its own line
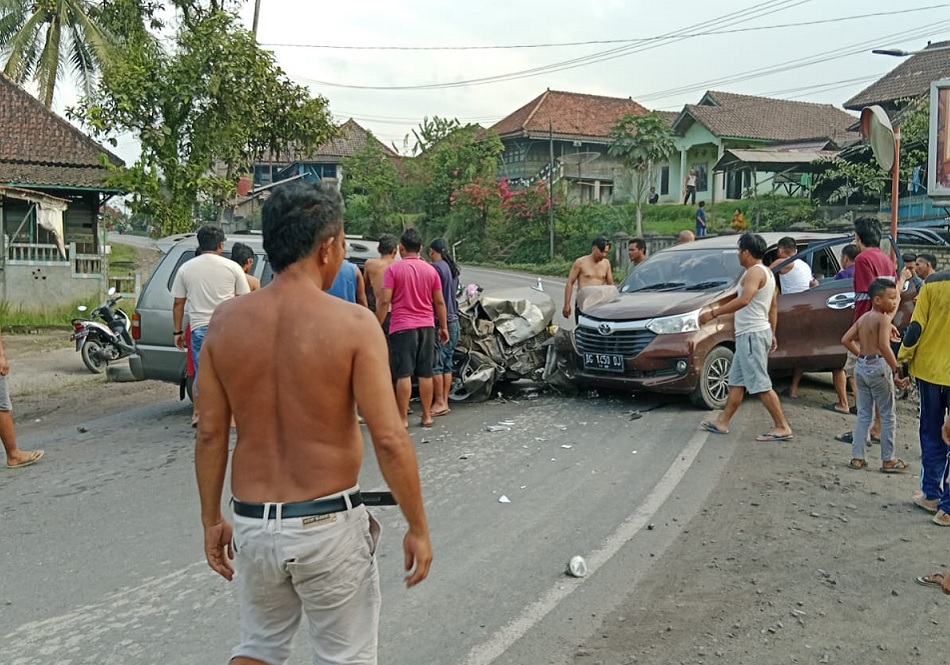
point(41, 38)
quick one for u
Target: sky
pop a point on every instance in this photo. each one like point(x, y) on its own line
point(663, 54)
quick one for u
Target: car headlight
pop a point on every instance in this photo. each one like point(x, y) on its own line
point(681, 323)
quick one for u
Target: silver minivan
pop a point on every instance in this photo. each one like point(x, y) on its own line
point(156, 356)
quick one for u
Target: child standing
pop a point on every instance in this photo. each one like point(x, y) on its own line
point(701, 220)
point(870, 340)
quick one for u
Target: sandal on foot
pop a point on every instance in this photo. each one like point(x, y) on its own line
point(710, 426)
point(772, 436)
point(33, 456)
point(930, 580)
point(899, 466)
point(858, 463)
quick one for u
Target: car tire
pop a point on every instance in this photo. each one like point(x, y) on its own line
point(190, 388)
point(713, 388)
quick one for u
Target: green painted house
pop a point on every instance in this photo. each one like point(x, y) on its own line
point(731, 141)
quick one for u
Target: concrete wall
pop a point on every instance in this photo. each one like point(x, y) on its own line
point(942, 254)
point(43, 286)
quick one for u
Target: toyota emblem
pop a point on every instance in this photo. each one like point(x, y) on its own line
point(605, 328)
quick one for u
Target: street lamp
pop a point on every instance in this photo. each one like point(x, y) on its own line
point(900, 53)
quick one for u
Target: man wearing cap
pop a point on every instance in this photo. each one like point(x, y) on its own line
point(590, 270)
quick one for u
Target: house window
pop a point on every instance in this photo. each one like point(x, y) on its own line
point(665, 180)
point(702, 177)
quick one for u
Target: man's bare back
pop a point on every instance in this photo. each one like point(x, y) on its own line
point(289, 374)
point(375, 269)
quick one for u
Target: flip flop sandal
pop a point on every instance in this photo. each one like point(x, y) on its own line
point(34, 457)
point(858, 464)
point(935, 580)
point(834, 409)
point(769, 436)
point(710, 426)
point(899, 466)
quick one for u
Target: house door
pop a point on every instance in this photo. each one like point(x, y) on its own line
point(734, 185)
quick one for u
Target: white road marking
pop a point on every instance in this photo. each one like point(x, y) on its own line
point(504, 637)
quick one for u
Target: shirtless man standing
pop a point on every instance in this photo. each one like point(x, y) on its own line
point(376, 268)
point(302, 539)
point(590, 270)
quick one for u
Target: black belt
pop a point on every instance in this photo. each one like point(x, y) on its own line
point(334, 504)
point(865, 357)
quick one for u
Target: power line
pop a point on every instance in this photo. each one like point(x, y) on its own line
point(742, 16)
point(834, 54)
point(597, 42)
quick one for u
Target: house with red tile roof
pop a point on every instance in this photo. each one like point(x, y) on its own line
point(576, 128)
point(52, 185)
point(725, 122)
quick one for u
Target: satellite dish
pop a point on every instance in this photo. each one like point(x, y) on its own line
point(579, 158)
point(877, 128)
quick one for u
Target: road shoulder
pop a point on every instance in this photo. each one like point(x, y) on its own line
point(794, 557)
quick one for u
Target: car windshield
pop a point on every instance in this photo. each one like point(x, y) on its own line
point(681, 270)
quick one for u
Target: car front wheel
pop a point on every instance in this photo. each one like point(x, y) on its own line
point(713, 388)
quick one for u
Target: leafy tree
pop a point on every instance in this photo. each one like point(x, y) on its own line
point(369, 187)
point(212, 96)
point(640, 142)
point(855, 177)
point(42, 38)
point(449, 157)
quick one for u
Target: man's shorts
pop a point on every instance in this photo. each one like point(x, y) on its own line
point(849, 364)
point(444, 352)
point(750, 362)
point(411, 352)
point(323, 567)
point(5, 403)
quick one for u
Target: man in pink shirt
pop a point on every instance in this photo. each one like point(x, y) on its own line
point(412, 289)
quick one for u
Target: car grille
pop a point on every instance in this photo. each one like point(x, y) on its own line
point(627, 343)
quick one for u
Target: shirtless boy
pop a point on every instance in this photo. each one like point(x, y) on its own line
point(591, 270)
point(376, 268)
point(302, 539)
point(870, 340)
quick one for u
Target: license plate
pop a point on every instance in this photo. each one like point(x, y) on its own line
point(606, 362)
point(79, 335)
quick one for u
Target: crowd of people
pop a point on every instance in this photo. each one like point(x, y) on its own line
point(880, 359)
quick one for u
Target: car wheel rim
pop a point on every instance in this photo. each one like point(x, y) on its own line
point(718, 379)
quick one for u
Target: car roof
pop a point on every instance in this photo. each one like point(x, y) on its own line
point(771, 238)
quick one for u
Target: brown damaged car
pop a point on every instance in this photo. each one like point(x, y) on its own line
point(648, 337)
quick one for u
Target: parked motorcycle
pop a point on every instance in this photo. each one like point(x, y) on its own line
point(504, 335)
point(102, 343)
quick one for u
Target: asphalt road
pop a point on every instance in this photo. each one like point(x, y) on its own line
point(100, 544)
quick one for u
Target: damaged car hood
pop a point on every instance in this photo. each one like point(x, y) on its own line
point(644, 305)
point(518, 314)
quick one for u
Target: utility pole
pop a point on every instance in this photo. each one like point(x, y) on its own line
point(257, 15)
point(551, 188)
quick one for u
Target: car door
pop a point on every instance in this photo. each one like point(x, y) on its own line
point(812, 323)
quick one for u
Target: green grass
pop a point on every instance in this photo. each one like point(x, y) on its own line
point(122, 260)
point(16, 318)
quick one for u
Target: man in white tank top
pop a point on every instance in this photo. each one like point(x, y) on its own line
point(755, 319)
